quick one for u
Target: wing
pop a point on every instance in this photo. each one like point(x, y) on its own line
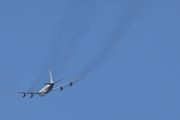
point(24, 93)
point(70, 84)
point(29, 92)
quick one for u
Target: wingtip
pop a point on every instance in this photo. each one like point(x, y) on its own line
point(21, 92)
point(79, 78)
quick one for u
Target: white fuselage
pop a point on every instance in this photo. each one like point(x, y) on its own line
point(45, 90)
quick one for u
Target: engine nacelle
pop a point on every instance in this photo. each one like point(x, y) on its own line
point(23, 95)
point(61, 88)
point(70, 84)
point(31, 96)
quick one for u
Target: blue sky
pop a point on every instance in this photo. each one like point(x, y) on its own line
point(127, 53)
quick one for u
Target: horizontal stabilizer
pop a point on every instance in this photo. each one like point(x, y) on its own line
point(53, 82)
point(58, 81)
point(47, 83)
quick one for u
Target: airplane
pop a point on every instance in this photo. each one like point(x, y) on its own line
point(48, 88)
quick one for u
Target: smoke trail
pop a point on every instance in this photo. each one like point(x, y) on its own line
point(72, 28)
point(113, 40)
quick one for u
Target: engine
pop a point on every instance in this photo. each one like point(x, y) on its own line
point(23, 95)
point(70, 84)
point(61, 88)
point(31, 96)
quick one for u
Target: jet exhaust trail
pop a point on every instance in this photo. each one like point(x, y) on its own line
point(65, 43)
point(113, 39)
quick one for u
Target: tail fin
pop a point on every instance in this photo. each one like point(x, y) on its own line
point(51, 80)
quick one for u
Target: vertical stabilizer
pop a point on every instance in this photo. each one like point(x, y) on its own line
point(51, 80)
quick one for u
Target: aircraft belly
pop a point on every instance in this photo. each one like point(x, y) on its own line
point(42, 94)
